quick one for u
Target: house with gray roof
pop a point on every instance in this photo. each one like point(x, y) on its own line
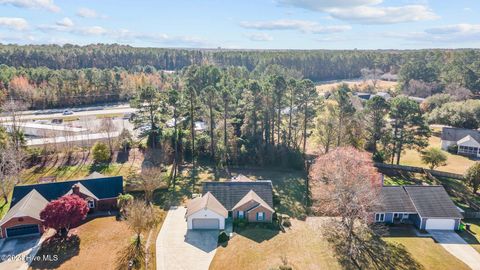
point(466, 140)
point(427, 207)
point(239, 198)
point(23, 217)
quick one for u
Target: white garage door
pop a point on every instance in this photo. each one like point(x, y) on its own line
point(440, 224)
point(205, 224)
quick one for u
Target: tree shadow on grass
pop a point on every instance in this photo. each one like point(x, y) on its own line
point(55, 251)
point(258, 232)
point(375, 253)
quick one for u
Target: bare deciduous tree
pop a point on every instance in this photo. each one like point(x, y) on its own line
point(108, 127)
point(151, 179)
point(11, 164)
point(141, 218)
point(345, 185)
point(12, 110)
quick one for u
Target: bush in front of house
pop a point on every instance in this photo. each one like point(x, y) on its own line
point(100, 152)
point(240, 223)
point(287, 223)
point(453, 149)
point(223, 237)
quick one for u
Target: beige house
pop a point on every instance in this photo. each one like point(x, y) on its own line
point(241, 198)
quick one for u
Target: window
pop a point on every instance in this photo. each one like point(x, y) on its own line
point(467, 150)
point(260, 216)
point(240, 214)
point(397, 215)
point(405, 216)
point(379, 217)
point(91, 204)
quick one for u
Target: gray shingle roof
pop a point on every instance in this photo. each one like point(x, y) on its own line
point(103, 188)
point(207, 201)
point(432, 202)
point(456, 134)
point(395, 199)
point(29, 206)
point(230, 193)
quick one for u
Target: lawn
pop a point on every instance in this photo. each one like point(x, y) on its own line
point(289, 185)
point(455, 163)
point(473, 236)
point(80, 165)
point(305, 248)
point(425, 251)
point(255, 249)
point(96, 247)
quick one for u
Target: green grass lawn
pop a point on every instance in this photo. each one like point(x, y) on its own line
point(473, 236)
point(455, 163)
point(289, 185)
point(424, 250)
point(300, 246)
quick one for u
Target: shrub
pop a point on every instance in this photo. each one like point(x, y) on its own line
point(379, 157)
point(223, 237)
point(287, 223)
point(302, 217)
point(434, 157)
point(101, 152)
point(453, 149)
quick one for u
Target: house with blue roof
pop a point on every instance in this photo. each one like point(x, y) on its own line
point(23, 218)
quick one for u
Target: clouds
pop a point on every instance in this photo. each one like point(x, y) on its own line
point(13, 23)
point(259, 37)
point(36, 4)
point(89, 13)
point(456, 33)
point(365, 11)
point(321, 5)
point(383, 15)
point(299, 25)
point(65, 22)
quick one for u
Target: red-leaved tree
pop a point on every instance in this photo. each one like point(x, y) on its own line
point(64, 213)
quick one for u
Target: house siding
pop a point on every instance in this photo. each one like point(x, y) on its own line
point(106, 204)
point(252, 215)
point(388, 217)
point(243, 208)
point(16, 222)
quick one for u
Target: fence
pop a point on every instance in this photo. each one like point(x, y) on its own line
point(419, 170)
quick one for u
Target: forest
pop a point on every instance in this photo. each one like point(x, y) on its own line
point(41, 75)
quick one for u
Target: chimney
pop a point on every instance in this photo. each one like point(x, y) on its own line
point(76, 189)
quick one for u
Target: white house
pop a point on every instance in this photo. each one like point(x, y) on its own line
point(206, 212)
point(467, 140)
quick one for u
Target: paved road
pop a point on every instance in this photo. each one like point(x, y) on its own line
point(17, 253)
point(80, 112)
point(181, 249)
point(455, 244)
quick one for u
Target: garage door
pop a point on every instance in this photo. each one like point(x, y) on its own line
point(205, 223)
point(22, 230)
point(440, 224)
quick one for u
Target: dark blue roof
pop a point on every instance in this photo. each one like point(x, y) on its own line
point(103, 188)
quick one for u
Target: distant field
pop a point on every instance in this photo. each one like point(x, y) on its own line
point(381, 85)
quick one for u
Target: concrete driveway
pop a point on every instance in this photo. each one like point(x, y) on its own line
point(180, 249)
point(17, 253)
point(455, 244)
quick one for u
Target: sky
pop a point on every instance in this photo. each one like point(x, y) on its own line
point(245, 24)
